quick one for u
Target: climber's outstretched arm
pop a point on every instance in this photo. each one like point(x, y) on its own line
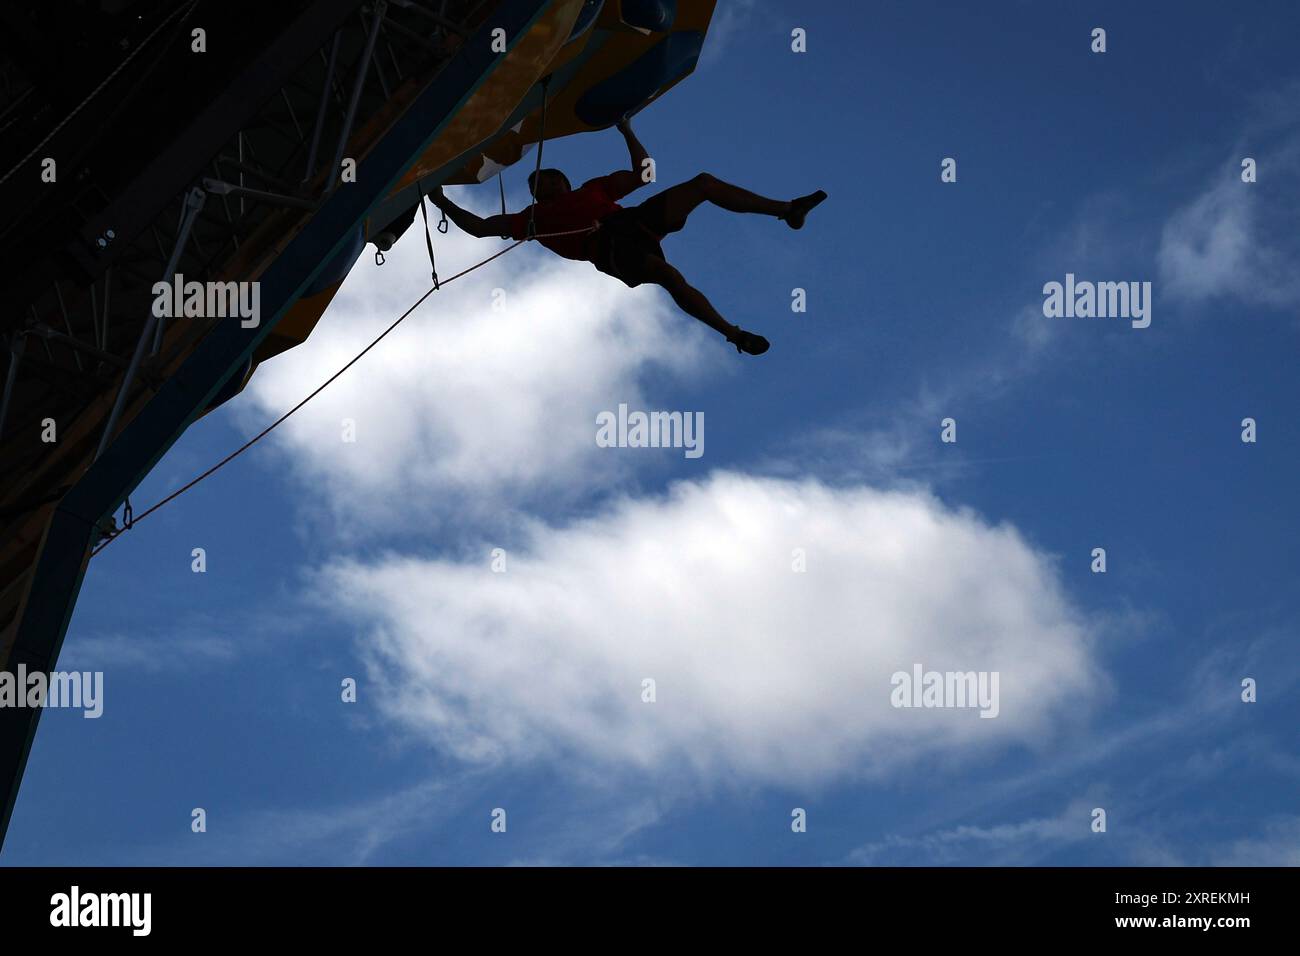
point(634, 147)
point(624, 181)
point(476, 226)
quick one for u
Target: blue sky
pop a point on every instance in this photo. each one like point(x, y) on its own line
point(521, 690)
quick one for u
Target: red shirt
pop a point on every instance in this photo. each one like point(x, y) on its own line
point(577, 209)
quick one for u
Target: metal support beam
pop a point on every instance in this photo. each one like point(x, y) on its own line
point(437, 18)
point(250, 166)
point(320, 109)
point(53, 335)
point(292, 115)
point(15, 357)
point(67, 323)
point(219, 188)
point(193, 203)
point(363, 67)
point(374, 58)
point(71, 339)
point(411, 35)
point(108, 291)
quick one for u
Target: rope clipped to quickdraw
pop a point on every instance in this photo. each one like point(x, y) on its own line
point(128, 514)
point(531, 233)
point(428, 239)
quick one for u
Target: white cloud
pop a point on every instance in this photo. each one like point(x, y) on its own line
point(1274, 841)
point(1237, 240)
point(729, 19)
point(1004, 844)
point(1277, 845)
point(463, 407)
point(150, 654)
point(431, 820)
point(345, 833)
point(763, 674)
point(1205, 245)
point(591, 832)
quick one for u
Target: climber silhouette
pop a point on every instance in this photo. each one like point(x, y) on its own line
point(626, 243)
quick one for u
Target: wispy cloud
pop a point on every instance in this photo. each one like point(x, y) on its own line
point(1004, 844)
point(1278, 844)
point(148, 653)
point(346, 834)
point(594, 829)
point(1135, 764)
point(730, 17)
point(1225, 244)
point(1237, 240)
point(1030, 842)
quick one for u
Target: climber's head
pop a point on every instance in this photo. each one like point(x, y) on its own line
point(548, 184)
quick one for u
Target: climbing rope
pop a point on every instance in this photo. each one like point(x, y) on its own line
point(537, 170)
point(130, 519)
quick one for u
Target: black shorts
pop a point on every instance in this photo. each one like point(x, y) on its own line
point(622, 243)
